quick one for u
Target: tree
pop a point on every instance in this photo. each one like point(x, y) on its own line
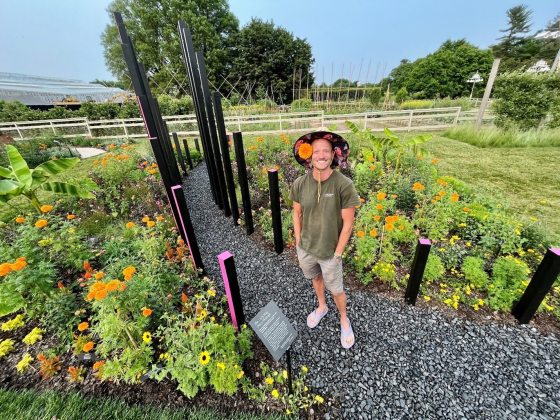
point(519, 19)
point(266, 59)
point(444, 72)
point(152, 26)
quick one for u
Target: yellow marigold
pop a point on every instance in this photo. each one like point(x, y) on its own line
point(360, 234)
point(82, 326)
point(221, 365)
point(146, 312)
point(211, 292)
point(379, 207)
point(240, 374)
point(88, 346)
point(454, 197)
point(275, 393)
point(70, 216)
point(160, 218)
point(373, 233)
point(269, 380)
point(389, 227)
point(150, 223)
point(20, 219)
point(99, 275)
point(381, 196)
point(319, 399)
point(377, 218)
point(305, 151)
point(418, 187)
point(113, 285)
point(41, 223)
point(145, 219)
point(45, 208)
point(130, 225)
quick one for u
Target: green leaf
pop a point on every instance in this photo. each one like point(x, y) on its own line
point(67, 189)
point(10, 300)
point(8, 187)
point(38, 176)
point(5, 172)
point(19, 166)
point(53, 167)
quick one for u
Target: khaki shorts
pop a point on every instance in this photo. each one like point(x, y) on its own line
point(331, 269)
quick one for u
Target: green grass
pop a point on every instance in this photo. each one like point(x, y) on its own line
point(494, 137)
point(528, 178)
point(29, 404)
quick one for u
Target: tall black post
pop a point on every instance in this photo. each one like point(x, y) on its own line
point(231, 285)
point(540, 285)
point(196, 146)
point(188, 153)
point(243, 182)
point(179, 153)
point(417, 270)
point(276, 212)
point(225, 156)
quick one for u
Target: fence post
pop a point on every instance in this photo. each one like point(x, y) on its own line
point(540, 285)
point(417, 270)
point(231, 285)
point(276, 212)
point(52, 126)
point(243, 183)
point(188, 153)
point(365, 121)
point(125, 130)
point(280, 115)
point(197, 147)
point(179, 153)
point(239, 123)
point(323, 118)
point(457, 116)
point(19, 131)
point(88, 127)
point(410, 119)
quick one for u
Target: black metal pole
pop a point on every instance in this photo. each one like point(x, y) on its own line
point(197, 147)
point(276, 212)
point(289, 363)
point(540, 285)
point(188, 153)
point(225, 156)
point(243, 182)
point(231, 285)
point(417, 270)
point(179, 153)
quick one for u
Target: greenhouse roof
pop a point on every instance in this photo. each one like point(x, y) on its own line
point(41, 91)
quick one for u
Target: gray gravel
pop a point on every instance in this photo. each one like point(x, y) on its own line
point(407, 362)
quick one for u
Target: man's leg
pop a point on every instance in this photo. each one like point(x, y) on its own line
point(340, 300)
point(319, 286)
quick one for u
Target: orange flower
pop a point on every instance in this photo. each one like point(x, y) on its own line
point(379, 207)
point(128, 272)
point(60, 285)
point(442, 193)
point(377, 217)
point(150, 223)
point(113, 285)
point(373, 233)
point(361, 234)
point(146, 219)
point(82, 326)
point(87, 276)
point(98, 365)
point(372, 167)
point(5, 269)
point(454, 197)
point(389, 227)
point(18, 265)
point(88, 346)
point(70, 216)
point(41, 223)
point(122, 287)
point(362, 200)
point(130, 225)
point(393, 196)
point(391, 219)
point(160, 218)
point(45, 208)
point(442, 182)
point(99, 275)
point(87, 266)
point(305, 151)
point(146, 312)
point(184, 297)
point(101, 294)
point(371, 158)
point(20, 219)
point(418, 187)
point(381, 196)
point(466, 209)
point(434, 161)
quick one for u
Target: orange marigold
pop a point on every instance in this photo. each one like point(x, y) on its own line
point(145, 219)
point(377, 218)
point(99, 275)
point(389, 227)
point(379, 207)
point(146, 311)
point(113, 285)
point(128, 272)
point(381, 196)
point(5, 269)
point(130, 225)
point(150, 223)
point(88, 346)
point(454, 197)
point(82, 326)
point(70, 216)
point(45, 208)
point(361, 234)
point(373, 233)
point(418, 187)
point(101, 294)
point(305, 151)
point(20, 219)
point(41, 223)
point(98, 365)
point(18, 265)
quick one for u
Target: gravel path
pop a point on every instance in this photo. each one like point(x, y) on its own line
point(407, 362)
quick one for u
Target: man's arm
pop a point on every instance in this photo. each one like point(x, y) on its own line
point(347, 222)
point(298, 220)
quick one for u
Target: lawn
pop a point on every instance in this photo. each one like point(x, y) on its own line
point(528, 178)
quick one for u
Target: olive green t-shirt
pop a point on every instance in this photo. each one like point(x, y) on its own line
point(322, 220)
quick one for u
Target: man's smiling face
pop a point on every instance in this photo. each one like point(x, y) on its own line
point(323, 154)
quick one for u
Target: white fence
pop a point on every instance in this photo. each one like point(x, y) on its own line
point(186, 125)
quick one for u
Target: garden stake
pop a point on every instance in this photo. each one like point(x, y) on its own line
point(276, 212)
point(179, 153)
point(225, 156)
point(231, 285)
point(188, 153)
point(540, 285)
point(243, 183)
point(417, 270)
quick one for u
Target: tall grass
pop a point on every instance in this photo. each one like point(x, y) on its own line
point(494, 137)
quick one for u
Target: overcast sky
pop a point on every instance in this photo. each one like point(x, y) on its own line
point(61, 38)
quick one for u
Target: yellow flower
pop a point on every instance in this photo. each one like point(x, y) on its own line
point(145, 219)
point(381, 196)
point(211, 292)
point(150, 223)
point(160, 218)
point(24, 363)
point(45, 208)
point(285, 374)
point(240, 374)
point(147, 337)
point(221, 365)
point(319, 399)
point(204, 358)
point(269, 380)
point(427, 298)
point(304, 369)
point(275, 393)
point(418, 187)
point(130, 225)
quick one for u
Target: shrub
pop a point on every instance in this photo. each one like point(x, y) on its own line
point(300, 105)
point(509, 275)
point(434, 268)
point(473, 270)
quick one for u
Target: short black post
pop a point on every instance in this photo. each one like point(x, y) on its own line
point(231, 285)
point(276, 212)
point(417, 270)
point(197, 147)
point(188, 153)
point(179, 153)
point(540, 285)
point(243, 182)
point(289, 363)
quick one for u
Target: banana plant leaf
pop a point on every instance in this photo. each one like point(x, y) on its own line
point(19, 166)
point(67, 189)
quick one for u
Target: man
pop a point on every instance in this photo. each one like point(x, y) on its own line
point(324, 203)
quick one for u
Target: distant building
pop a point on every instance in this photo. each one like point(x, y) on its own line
point(46, 92)
point(548, 35)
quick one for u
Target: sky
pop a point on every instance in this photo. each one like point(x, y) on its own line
point(62, 38)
